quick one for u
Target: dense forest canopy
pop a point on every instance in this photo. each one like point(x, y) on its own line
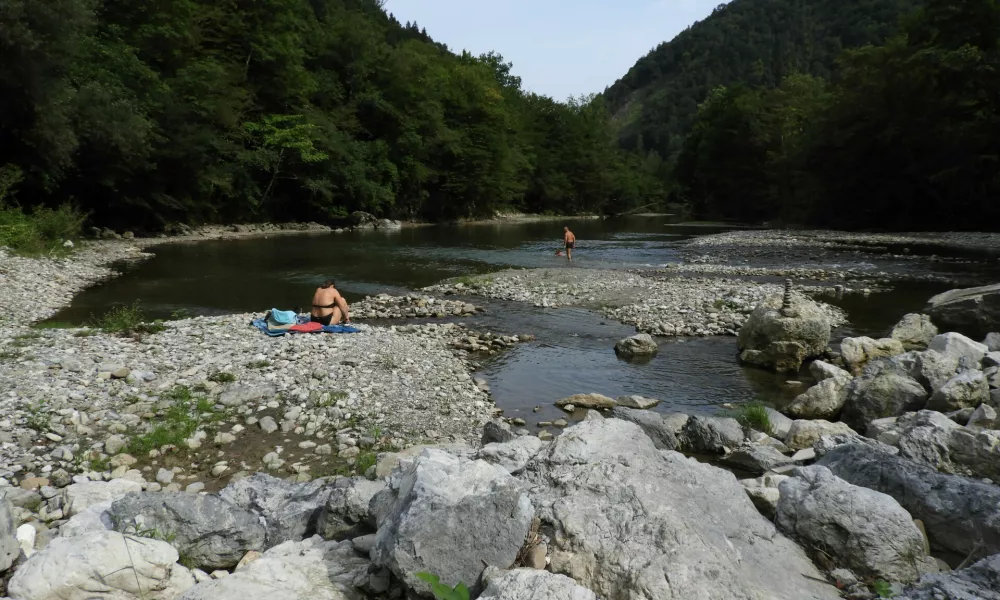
point(907, 136)
point(753, 42)
point(142, 112)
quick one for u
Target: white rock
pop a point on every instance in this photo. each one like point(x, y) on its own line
point(106, 562)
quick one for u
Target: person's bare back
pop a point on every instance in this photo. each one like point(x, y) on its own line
point(328, 306)
point(570, 240)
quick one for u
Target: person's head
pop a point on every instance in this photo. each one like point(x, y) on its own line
point(328, 284)
point(566, 229)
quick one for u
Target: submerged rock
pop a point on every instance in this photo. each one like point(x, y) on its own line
point(642, 344)
point(630, 522)
point(448, 516)
point(959, 514)
point(783, 341)
point(595, 401)
point(861, 529)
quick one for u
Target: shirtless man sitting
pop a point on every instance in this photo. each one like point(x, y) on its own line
point(570, 240)
point(328, 306)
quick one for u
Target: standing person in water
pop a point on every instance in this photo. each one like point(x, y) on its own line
point(570, 241)
point(328, 306)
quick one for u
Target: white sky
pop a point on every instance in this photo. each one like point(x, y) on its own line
point(559, 47)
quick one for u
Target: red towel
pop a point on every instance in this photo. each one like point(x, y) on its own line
point(310, 327)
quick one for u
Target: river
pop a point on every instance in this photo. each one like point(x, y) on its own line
point(573, 351)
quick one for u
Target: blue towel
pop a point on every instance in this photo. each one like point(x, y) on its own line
point(262, 325)
point(284, 317)
point(340, 329)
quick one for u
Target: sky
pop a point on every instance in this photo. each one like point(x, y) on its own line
point(560, 48)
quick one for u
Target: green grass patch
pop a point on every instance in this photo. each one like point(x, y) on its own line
point(38, 417)
point(127, 320)
point(222, 377)
point(259, 364)
point(442, 591)
point(364, 462)
point(755, 416)
point(31, 335)
point(9, 355)
point(40, 232)
point(178, 423)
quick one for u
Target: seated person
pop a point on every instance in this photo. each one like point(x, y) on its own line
point(328, 306)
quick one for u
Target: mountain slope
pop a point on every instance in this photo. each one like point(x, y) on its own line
point(758, 42)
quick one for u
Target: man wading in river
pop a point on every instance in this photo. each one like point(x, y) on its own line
point(570, 240)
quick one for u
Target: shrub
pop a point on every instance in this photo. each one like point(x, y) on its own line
point(177, 424)
point(222, 377)
point(126, 320)
point(43, 231)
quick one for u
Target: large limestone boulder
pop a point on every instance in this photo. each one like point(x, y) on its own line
point(914, 331)
point(207, 530)
point(975, 310)
point(313, 569)
point(933, 439)
point(859, 351)
point(288, 510)
point(968, 389)
point(956, 346)
point(448, 516)
point(513, 456)
point(764, 493)
point(804, 433)
point(773, 340)
point(532, 584)
point(641, 345)
point(347, 512)
point(632, 522)
point(879, 393)
point(658, 430)
point(79, 496)
point(9, 547)
point(822, 370)
point(103, 564)
point(981, 581)
point(861, 529)
point(959, 514)
point(712, 435)
point(822, 401)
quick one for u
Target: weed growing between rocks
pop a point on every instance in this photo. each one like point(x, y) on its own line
point(127, 321)
point(222, 377)
point(259, 364)
point(754, 416)
point(38, 417)
point(443, 592)
point(178, 423)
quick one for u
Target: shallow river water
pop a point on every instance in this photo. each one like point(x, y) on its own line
point(573, 351)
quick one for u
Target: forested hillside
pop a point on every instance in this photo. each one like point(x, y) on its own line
point(906, 137)
point(142, 112)
point(754, 42)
